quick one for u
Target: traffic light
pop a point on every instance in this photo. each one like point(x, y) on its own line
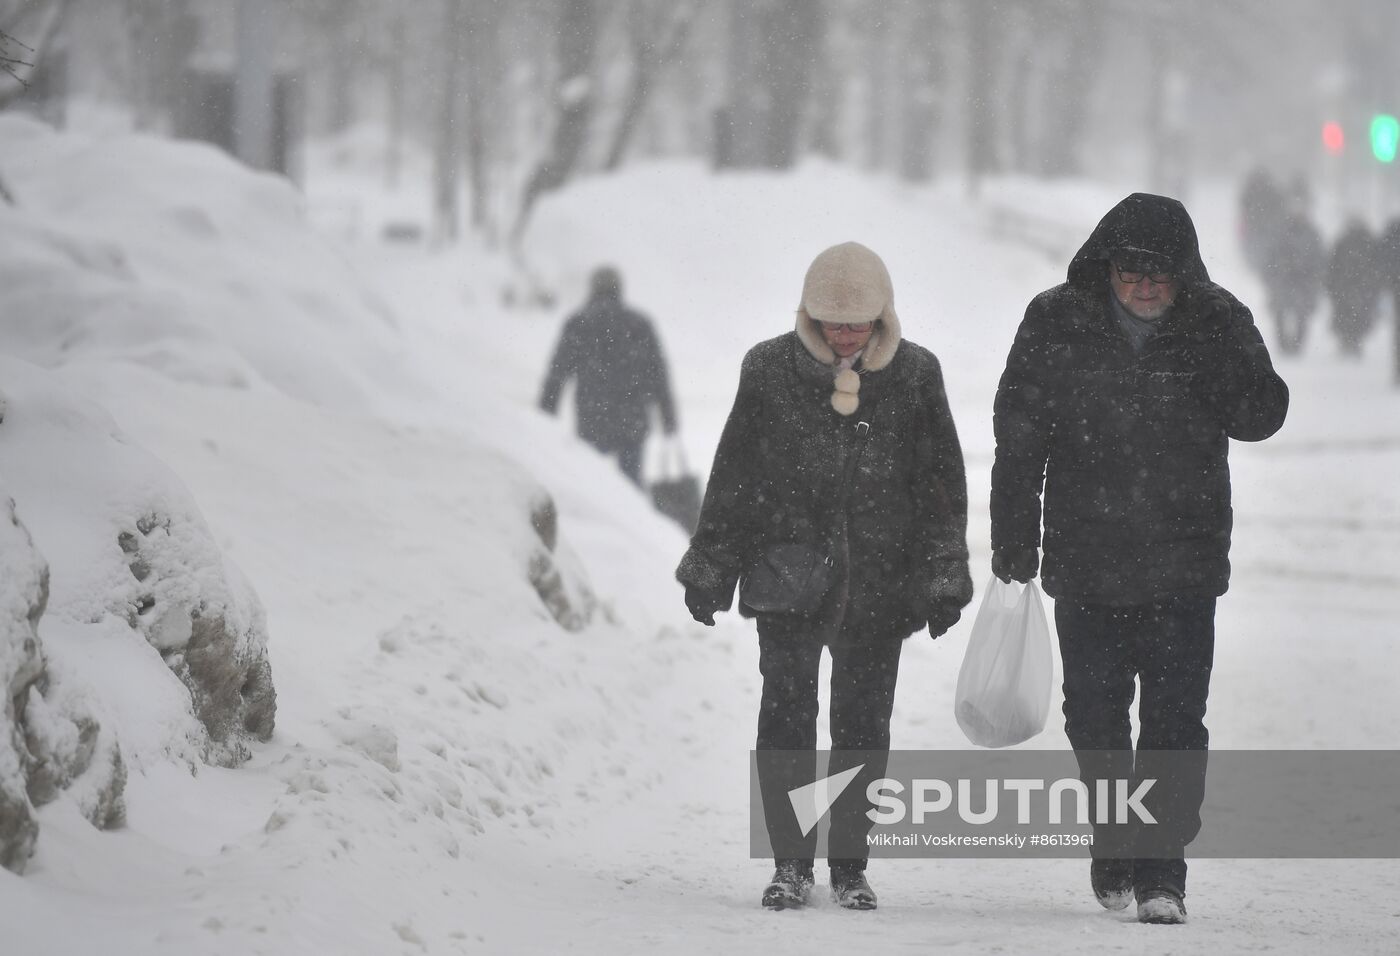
point(1333, 139)
point(1385, 137)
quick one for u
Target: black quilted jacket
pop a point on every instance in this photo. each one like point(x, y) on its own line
point(1130, 450)
point(901, 541)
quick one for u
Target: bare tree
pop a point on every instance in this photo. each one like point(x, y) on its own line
point(10, 52)
point(657, 32)
point(983, 95)
point(573, 106)
point(30, 25)
point(483, 66)
point(922, 73)
point(161, 36)
point(1079, 30)
point(38, 20)
point(772, 46)
point(447, 161)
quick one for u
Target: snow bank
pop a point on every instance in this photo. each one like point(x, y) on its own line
point(173, 257)
point(23, 593)
point(49, 741)
point(152, 646)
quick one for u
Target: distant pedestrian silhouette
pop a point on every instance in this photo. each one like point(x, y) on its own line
point(1389, 263)
point(1261, 210)
point(1292, 274)
point(1354, 281)
point(613, 354)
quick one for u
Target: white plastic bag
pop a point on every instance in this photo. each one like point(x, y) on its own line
point(1003, 694)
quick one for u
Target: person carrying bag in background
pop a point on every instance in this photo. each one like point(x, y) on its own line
point(838, 494)
point(613, 355)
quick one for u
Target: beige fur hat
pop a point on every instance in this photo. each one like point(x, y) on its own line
point(848, 283)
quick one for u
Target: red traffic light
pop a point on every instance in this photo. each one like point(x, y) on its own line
point(1333, 139)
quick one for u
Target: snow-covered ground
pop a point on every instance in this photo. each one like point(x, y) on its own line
point(452, 771)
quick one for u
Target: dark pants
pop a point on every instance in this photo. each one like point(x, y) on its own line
point(628, 452)
point(863, 679)
point(1292, 323)
point(1169, 647)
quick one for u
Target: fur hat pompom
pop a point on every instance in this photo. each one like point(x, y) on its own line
point(846, 398)
point(845, 403)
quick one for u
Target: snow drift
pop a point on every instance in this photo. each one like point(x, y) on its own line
point(139, 642)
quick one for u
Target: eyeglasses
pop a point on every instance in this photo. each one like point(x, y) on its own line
point(1133, 278)
point(850, 326)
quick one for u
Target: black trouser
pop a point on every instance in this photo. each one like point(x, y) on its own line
point(863, 679)
point(1169, 647)
point(1292, 324)
point(628, 452)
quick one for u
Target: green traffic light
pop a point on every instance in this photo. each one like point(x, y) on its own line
point(1385, 136)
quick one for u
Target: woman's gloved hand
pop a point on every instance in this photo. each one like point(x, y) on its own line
point(703, 604)
point(941, 617)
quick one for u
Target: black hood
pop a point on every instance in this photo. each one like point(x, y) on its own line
point(1153, 232)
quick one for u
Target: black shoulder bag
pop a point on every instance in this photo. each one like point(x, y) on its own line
point(791, 577)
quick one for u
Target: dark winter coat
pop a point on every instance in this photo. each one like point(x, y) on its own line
point(1129, 449)
point(1355, 279)
point(901, 543)
point(1388, 258)
point(1262, 209)
point(1296, 263)
point(614, 354)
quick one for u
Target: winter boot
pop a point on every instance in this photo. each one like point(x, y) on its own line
point(850, 889)
point(791, 886)
point(1160, 904)
point(1112, 881)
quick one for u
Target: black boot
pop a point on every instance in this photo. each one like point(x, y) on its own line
point(791, 886)
point(1161, 904)
point(850, 889)
point(1112, 881)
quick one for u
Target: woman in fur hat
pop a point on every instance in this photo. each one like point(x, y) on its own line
point(838, 498)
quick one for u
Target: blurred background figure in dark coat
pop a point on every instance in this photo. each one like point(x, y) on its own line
point(614, 355)
point(1293, 271)
point(1354, 280)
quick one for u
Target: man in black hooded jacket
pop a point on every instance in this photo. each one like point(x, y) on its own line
point(1121, 392)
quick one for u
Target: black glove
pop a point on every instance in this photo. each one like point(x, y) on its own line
point(1213, 308)
point(1015, 564)
point(941, 617)
point(1225, 362)
point(703, 604)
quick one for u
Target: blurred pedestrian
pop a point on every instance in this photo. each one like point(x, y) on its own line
point(1354, 281)
point(1261, 206)
point(1293, 278)
point(1120, 393)
point(838, 496)
point(1389, 259)
point(613, 353)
